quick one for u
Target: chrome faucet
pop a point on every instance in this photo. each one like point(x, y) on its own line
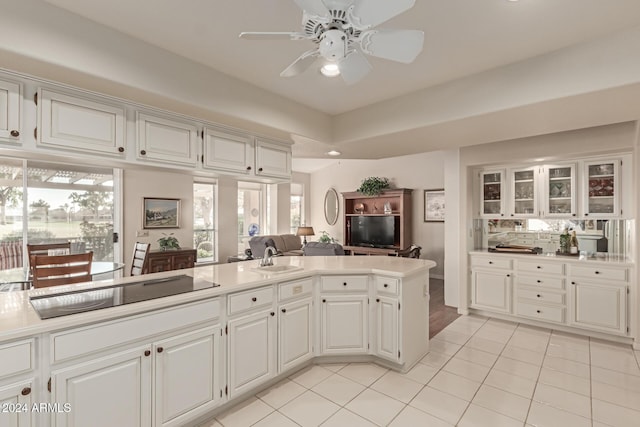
point(267, 259)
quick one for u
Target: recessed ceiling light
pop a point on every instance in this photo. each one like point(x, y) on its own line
point(330, 69)
point(333, 153)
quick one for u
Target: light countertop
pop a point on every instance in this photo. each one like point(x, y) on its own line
point(603, 257)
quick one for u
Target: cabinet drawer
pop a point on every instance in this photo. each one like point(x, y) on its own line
point(541, 267)
point(540, 312)
point(250, 299)
point(491, 262)
point(343, 283)
point(541, 281)
point(16, 357)
point(600, 273)
point(540, 295)
point(387, 285)
point(77, 342)
point(295, 289)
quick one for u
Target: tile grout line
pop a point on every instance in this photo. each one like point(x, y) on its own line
point(535, 386)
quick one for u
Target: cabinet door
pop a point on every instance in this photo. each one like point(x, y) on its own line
point(273, 160)
point(295, 338)
point(228, 151)
point(492, 193)
point(187, 375)
point(524, 192)
point(559, 191)
point(166, 140)
point(158, 263)
point(252, 351)
point(9, 111)
point(15, 402)
point(110, 391)
point(80, 124)
point(602, 189)
point(182, 261)
point(491, 291)
point(387, 328)
point(344, 324)
point(599, 307)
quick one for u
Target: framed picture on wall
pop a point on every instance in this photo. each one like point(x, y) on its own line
point(161, 213)
point(434, 205)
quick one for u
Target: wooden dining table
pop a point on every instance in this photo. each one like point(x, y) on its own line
point(18, 279)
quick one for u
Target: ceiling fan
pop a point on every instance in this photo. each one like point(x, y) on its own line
point(344, 30)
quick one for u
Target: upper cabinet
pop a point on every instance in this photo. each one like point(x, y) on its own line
point(559, 191)
point(10, 111)
point(602, 189)
point(272, 159)
point(492, 193)
point(166, 139)
point(524, 192)
point(73, 122)
point(228, 151)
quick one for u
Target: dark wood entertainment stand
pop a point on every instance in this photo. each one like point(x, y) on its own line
point(400, 201)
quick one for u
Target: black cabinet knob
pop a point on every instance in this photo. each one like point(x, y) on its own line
point(490, 262)
point(16, 134)
point(248, 168)
point(147, 353)
point(538, 295)
point(254, 299)
point(284, 310)
point(344, 283)
point(160, 350)
point(386, 285)
point(324, 300)
point(539, 281)
point(538, 267)
point(597, 272)
point(121, 149)
point(143, 152)
point(26, 391)
point(508, 275)
point(259, 169)
point(538, 311)
point(272, 313)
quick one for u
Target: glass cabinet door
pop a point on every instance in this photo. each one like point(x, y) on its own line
point(560, 197)
point(492, 193)
point(524, 191)
point(602, 192)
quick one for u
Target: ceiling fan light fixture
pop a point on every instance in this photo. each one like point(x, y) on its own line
point(330, 69)
point(333, 153)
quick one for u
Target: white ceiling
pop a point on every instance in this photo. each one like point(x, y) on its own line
point(462, 37)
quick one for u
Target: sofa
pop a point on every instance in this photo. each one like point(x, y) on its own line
point(285, 244)
point(322, 249)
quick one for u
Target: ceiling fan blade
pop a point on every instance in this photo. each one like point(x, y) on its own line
point(303, 62)
point(373, 12)
point(271, 35)
point(314, 7)
point(354, 67)
point(395, 45)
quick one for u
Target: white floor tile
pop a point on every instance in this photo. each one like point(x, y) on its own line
point(512, 383)
point(281, 393)
point(363, 373)
point(344, 418)
point(493, 335)
point(565, 381)
point(376, 407)
point(397, 386)
point(558, 337)
point(443, 347)
point(463, 328)
point(567, 366)
point(440, 404)
point(311, 376)
point(563, 399)
point(454, 337)
point(477, 416)
point(618, 379)
point(616, 395)
point(515, 367)
point(523, 355)
point(502, 402)
point(245, 414)
point(333, 367)
point(529, 342)
point(467, 369)
point(533, 330)
point(484, 344)
point(506, 325)
point(435, 359)
point(275, 419)
point(616, 357)
point(455, 385)
point(476, 356)
point(338, 389)
point(412, 417)
point(309, 409)
point(421, 373)
point(541, 415)
point(568, 352)
point(614, 415)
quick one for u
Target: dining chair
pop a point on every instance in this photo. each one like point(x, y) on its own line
point(44, 248)
point(55, 270)
point(139, 261)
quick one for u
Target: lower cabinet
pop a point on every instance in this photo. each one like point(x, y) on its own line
point(491, 290)
point(599, 307)
point(170, 260)
point(295, 334)
point(15, 401)
point(344, 324)
point(388, 328)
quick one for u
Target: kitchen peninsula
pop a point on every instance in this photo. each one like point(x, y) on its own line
point(178, 360)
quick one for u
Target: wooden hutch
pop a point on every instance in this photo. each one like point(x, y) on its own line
point(357, 204)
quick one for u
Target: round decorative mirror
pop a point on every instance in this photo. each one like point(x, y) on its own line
point(331, 206)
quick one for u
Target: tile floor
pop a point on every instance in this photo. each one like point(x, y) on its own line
point(479, 372)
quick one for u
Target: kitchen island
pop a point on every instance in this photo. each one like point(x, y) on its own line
point(175, 360)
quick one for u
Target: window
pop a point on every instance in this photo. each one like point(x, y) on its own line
point(252, 217)
point(297, 207)
point(204, 238)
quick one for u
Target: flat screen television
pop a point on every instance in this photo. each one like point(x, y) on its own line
point(373, 231)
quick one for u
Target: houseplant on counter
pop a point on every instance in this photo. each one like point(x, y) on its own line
point(168, 242)
point(325, 238)
point(373, 186)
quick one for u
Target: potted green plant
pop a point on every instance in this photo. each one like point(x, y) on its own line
point(373, 186)
point(168, 242)
point(325, 238)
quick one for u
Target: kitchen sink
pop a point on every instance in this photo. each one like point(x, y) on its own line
point(277, 269)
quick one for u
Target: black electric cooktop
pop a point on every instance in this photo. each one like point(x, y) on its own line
point(80, 301)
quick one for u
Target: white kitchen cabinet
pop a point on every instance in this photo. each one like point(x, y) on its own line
point(559, 191)
point(523, 185)
point(599, 306)
point(492, 193)
point(166, 139)
point(251, 351)
point(16, 400)
point(491, 290)
point(114, 390)
point(388, 327)
point(272, 159)
point(92, 125)
point(601, 189)
point(295, 338)
point(187, 375)
point(228, 151)
point(344, 324)
point(10, 114)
